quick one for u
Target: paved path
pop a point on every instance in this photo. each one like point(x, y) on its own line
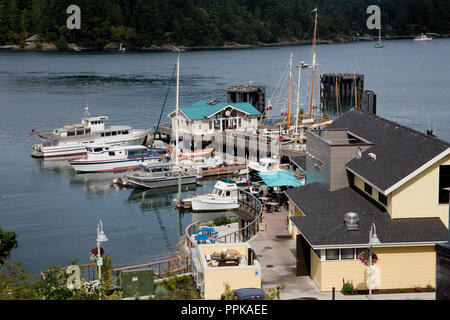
point(277, 258)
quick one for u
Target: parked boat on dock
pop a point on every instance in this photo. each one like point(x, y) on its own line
point(224, 197)
point(71, 140)
point(109, 159)
point(157, 175)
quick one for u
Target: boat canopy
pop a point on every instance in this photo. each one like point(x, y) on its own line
point(279, 178)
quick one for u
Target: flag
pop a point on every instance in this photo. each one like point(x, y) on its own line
point(32, 132)
point(315, 10)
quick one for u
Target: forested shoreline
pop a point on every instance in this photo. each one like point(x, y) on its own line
point(160, 24)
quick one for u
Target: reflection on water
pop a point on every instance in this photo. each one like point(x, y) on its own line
point(97, 185)
point(61, 166)
point(152, 199)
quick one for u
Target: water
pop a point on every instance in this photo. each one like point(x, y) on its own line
point(55, 212)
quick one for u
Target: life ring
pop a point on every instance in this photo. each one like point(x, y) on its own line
point(168, 174)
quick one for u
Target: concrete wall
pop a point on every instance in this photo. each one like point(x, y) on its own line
point(399, 267)
point(418, 197)
point(243, 276)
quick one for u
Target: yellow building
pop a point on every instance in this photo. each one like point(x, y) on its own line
point(246, 273)
point(385, 174)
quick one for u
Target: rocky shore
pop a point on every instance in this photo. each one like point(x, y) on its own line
point(112, 46)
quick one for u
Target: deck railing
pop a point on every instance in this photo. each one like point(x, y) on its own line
point(251, 205)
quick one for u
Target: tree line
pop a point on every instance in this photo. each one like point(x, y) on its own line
point(143, 23)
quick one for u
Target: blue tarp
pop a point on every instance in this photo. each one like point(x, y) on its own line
point(279, 178)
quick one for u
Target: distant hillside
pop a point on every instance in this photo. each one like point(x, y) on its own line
point(146, 23)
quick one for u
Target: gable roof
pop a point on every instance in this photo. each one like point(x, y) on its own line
point(323, 223)
point(202, 109)
point(401, 152)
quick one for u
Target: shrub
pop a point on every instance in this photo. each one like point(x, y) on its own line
point(347, 287)
point(160, 291)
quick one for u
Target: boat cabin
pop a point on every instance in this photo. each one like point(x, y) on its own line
point(126, 151)
point(165, 168)
point(224, 189)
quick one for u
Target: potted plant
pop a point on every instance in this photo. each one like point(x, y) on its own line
point(93, 254)
point(364, 257)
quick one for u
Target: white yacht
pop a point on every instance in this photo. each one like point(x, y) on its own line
point(263, 165)
point(71, 140)
point(110, 159)
point(224, 197)
point(423, 37)
point(157, 175)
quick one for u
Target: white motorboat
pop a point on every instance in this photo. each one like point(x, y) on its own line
point(157, 175)
point(224, 197)
point(109, 159)
point(422, 38)
point(71, 140)
point(199, 163)
point(264, 164)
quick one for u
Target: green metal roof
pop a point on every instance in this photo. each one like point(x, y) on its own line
point(202, 109)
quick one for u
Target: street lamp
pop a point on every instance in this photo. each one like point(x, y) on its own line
point(373, 239)
point(101, 237)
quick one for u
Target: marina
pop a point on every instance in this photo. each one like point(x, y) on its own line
point(147, 220)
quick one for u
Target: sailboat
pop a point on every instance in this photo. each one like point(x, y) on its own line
point(379, 44)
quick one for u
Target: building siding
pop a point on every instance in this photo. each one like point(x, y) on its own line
point(400, 267)
point(418, 197)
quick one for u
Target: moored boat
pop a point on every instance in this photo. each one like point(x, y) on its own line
point(224, 197)
point(101, 158)
point(422, 38)
point(71, 140)
point(157, 175)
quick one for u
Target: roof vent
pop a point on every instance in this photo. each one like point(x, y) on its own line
point(352, 221)
point(372, 156)
point(359, 153)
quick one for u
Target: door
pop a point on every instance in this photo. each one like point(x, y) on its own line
point(303, 257)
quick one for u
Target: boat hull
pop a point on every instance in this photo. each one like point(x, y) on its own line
point(139, 183)
point(71, 150)
point(209, 205)
point(85, 166)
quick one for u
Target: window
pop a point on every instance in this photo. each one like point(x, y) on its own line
point(80, 132)
point(367, 188)
point(444, 182)
point(102, 134)
point(332, 254)
point(114, 133)
point(210, 125)
point(88, 130)
point(239, 122)
point(124, 131)
point(108, 134)
point(249, 121)
point(228, 193)
point(98, 149)
point(112, 153)
point(382, 198)
point(347, 254)
point(70, 133)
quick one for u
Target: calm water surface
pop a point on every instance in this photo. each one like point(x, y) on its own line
point(55, 212)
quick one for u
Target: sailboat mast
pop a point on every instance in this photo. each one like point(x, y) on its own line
point(300, 65)
point(337, 99)
point(313, 66)
point(289, 94)
point(177, 111)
